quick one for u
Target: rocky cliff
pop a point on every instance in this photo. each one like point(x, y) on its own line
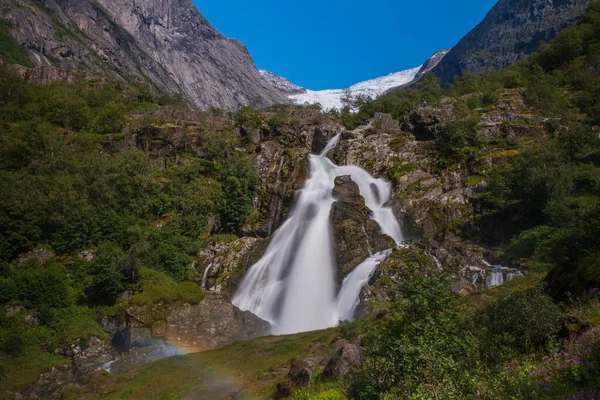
point(511, 30)
point(166, 44)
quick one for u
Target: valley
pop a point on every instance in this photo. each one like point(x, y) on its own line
point(176, 224)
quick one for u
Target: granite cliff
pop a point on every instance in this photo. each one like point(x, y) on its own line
point(166, 44)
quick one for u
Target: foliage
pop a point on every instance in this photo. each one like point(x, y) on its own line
point(422, 350)
point(522, 320)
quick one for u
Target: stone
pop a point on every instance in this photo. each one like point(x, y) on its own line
point(427, 122)
point(228, 262)
point(356, 235)
point(211, 324)
point(38, 256)
point(348, 356)
point(301, 372)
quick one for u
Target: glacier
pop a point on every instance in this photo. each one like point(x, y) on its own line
point(332, 99)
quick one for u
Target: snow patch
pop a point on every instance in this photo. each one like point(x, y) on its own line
point(332, 99)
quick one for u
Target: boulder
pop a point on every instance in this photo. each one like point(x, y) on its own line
point(211, 324)
point(348, 356)
point(138, 356)
point(355, 233)
point(427, 122)
point(301, 372)
point(85, 357)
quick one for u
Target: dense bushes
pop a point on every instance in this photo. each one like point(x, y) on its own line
point(522, 321)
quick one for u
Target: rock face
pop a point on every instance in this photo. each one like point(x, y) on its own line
point(281, 161)
point(228, 262)
point(167, 44)
point(86, 357)
point(356, 235)
point(429, 65)
point(281, 84)
point(511, 30)
point(213, 323)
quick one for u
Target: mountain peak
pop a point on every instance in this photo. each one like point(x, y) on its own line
point(281, 84)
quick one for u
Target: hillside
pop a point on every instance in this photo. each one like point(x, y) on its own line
point(448, 237)
point(510, 31)
point(167, 44)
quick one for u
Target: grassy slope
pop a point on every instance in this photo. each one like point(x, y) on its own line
point(253, 367)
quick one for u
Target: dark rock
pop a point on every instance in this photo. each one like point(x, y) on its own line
point(427, 122)
point(511, 30)
point(283, 390)
point(348, 356)
point(356, 235)
point(301, 372)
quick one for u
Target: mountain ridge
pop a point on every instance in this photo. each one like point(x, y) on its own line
point(168, 44)
point(511, 30)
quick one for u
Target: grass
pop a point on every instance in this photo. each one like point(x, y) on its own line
point(37, 355)
point(18, 373)
point(186, 292)
point(252, 367)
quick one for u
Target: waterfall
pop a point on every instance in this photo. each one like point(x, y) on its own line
point(293, 285)
point(205, 276)
point(348, 298)
point(498, 275)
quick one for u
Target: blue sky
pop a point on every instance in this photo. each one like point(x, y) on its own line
point(325, 44)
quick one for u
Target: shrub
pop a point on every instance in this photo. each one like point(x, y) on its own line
point(520, 321)
point(47, 286)
point(108, 274)
point(13, 345)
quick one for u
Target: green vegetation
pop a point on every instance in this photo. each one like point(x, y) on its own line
point(84, 167)
point(430, 344)
point(185, 292)
point(72, 182)
point(250, 367)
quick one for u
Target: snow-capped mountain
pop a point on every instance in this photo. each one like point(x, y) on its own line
point(332, 99)
point(283, 85)
point(429, 65)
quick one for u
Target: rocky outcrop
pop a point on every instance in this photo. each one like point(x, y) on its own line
point(212, 323)
point(167, 44)
point(222, 265)
point(281, 84)
point(427, 122)
point(280, 158)
point(356, 234)
point(347, 358)
point(511, 30)
point(85, 357)
point(429, 65)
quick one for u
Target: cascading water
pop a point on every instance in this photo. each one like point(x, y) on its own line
point(205, 276)
point(293, 285)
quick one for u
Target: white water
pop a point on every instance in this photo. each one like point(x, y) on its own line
point(348, 298)
point(293, 285)
point(205, 276)
point(499, 275)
